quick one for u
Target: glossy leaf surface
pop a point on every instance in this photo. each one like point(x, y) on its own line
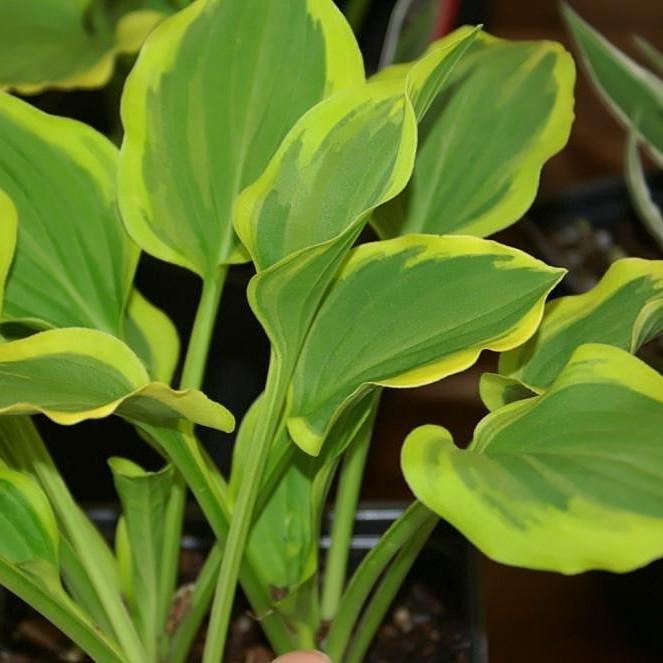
point(408, 312)
point(214, 91)
point(506, 109)
point(567, 481)
point(340, 161)
point(75, 374)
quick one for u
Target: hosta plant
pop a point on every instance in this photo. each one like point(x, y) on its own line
point(252, 134)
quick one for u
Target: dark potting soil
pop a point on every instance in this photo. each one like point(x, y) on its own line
point(434, 619)
point(419, 628)
point(415, 631)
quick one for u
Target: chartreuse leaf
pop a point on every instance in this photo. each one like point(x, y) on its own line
point(506, 109)
point(66, 43)
point(497, 390)
point(74, 262)
point(568, 481)
point(8, 229)
point(75, 374)
point(144, 496)
point(631, 92)
point(422, 307)
point(344, 158)
point(625, 309)
point(152, 336)
point(215, 89)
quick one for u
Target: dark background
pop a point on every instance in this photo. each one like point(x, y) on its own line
point(530, 616)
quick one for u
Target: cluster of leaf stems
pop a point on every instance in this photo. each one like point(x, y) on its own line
point(87, 563)
point(387, 563)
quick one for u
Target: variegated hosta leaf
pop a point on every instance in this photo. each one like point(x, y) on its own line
point(631, 92)
point(625, 309)
point(301, 217)
point(568, 481)
point(425, 77)
point(344, 157)
point(152, 336)
point(214, 91)
point(75, 374)
point(28, 531)
point(74, 262)
point(144, 496)
point(506, 109)
point(8, 229)
point(410, 311)
point(66, 43)
point(497, 390)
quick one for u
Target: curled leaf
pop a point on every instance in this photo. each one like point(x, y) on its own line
point(568, 481)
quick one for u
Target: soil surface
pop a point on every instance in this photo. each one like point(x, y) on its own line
point(416, 631)
point(421, 627)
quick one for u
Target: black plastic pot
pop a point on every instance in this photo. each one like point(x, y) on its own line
point(445, 573)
